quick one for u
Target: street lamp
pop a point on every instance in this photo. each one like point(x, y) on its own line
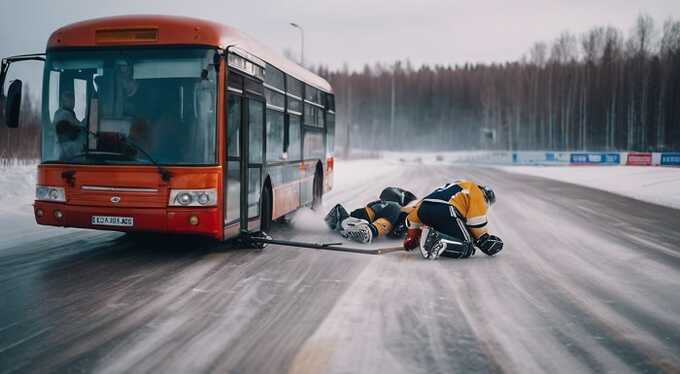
point(392, 100)
point(302, 42)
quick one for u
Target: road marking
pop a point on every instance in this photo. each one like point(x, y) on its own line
point(18, 342)
point(118, 305)
point(9, 326)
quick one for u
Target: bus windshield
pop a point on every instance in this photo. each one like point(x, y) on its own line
point(96, 103)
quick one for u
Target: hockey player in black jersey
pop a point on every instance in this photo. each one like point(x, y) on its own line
point(386, 216)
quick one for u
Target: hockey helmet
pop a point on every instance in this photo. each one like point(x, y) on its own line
point(489, 195)
point(397, 195)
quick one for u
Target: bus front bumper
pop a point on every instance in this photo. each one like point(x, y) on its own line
point(203, 221)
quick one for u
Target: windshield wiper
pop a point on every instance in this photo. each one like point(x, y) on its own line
point(165, 173)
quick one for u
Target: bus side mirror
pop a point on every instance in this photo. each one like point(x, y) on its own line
point(2, 109)
point(13, 104)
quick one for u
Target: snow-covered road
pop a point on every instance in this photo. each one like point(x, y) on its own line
point(587, 283)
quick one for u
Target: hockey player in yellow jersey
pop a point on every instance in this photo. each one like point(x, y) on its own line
point(452, 221)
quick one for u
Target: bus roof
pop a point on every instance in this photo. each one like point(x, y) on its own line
point(173, 30)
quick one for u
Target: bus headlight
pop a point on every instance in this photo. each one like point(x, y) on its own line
point(206, 197)
point(185, 198)
point(47, 193)
point(203, 198)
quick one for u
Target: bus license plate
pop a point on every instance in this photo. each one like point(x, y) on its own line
point(112, 221)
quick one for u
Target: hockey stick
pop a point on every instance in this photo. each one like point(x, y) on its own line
point(327, 246)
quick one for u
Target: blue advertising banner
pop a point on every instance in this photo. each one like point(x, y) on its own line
point(611, 158)
point(670, 159)
point(579, 158)
point(540, 158)
point(595, 158)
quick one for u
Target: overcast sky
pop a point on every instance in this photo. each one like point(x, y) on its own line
point(356, 32)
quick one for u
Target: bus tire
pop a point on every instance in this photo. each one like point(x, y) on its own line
point(317, 190)
point(266, 208)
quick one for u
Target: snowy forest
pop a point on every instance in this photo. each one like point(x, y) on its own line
point(601, 90)
point(22, 143)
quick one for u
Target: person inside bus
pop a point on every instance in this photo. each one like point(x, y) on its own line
point(70, 132)
point(386, 216)
point(139, 104)
point(136, 99)
point(129, 91)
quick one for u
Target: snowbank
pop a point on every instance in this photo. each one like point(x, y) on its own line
point(17, 188)
point(657, 185)
point(449, 157)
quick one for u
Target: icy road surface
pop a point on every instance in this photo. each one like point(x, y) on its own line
point(588, 282)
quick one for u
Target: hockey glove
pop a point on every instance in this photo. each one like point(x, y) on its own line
point(489, 244)
point(412, 239)
point(400, 228)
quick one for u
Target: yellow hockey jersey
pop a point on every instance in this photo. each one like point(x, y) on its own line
point(463, 195)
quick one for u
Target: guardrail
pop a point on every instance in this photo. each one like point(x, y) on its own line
point(572, 158)
point(591, 158)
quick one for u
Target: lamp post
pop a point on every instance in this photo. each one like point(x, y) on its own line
point(392, 100)
point(302, 42)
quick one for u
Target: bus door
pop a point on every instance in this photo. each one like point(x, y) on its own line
point(245, 149)
point(252, 164)
point(233, 177)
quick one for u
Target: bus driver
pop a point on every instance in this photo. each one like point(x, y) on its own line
point(70, 132)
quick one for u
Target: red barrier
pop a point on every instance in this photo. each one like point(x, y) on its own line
point(639, 159)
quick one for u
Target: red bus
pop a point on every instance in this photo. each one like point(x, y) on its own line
point(175, 125)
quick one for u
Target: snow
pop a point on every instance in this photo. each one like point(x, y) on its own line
point(352, 180)
point(349, 173)
point(652, 184)
point(17, 192)
point(560, 307)
point(461, 157)
point(17, 188)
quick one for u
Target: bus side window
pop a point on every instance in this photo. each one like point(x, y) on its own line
point(255, 120)
point(274, 135)
point(313, 146)
point(330, 134)
point(294, 137)
point(234, 126)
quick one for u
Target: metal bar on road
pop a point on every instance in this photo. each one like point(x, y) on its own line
point(327, 246)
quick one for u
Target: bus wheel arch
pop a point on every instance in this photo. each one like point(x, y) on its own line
point(317, 189)
point(266, 205)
